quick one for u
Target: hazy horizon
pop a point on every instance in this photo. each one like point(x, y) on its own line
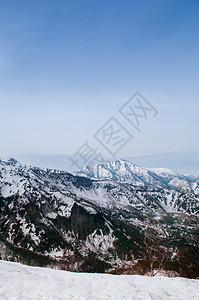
point(180, 162)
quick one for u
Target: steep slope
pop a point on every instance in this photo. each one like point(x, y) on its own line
point(67, 216)
point(56, 213)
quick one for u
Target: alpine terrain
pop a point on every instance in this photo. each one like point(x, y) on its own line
point(114, 217)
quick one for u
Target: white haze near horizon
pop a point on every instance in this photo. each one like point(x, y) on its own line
point(180, 162)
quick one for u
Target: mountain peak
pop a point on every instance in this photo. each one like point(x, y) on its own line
point(123, 171)
point(10, 162)
point(119, 170)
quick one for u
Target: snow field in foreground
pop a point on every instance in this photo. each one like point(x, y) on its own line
point(19, 282)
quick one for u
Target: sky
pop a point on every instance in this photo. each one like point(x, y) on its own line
point(66, 67)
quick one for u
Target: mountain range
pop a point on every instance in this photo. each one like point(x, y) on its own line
point(126, 172)
point(96, 214)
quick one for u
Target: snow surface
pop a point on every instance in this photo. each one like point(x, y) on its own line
point(19, 282)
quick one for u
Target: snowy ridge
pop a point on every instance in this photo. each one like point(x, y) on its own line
point(129, 188)
point(124, 171)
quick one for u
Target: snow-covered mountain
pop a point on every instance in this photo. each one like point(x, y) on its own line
point(124, 171)
point(47, 211)
point(65, 215)
point(124, 187)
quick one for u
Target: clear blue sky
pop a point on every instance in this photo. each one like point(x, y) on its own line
point(68, 66)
